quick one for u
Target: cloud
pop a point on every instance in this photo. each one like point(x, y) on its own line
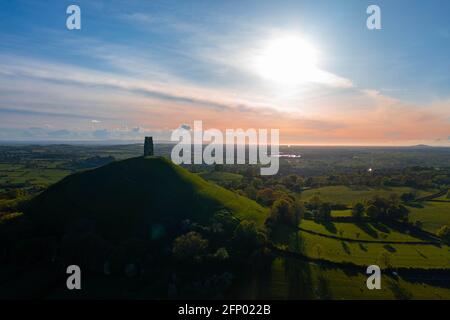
point(63, 133)
point(42, 113)
point(101, 134)
point(71, 75)
point(153, 101)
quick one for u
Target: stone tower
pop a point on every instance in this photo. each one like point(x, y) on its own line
point(148, 146)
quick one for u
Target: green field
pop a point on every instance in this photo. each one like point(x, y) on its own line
point(341, 213)
point(358, 231)
point(400, 255)
point(292, 279)
point(433, 215)
point(350, 196)
point(40, 175)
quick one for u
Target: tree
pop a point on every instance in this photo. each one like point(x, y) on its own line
point(381, 204)
point(400, 213)
point(283, 212)
point(188, 246)
point(221, 254)
point(408, 197)
point(373, 212)
point(314, 202)
point(225, 221)
point(418, 224)
point(299, 208)
point(289, 181)
point(358, 210)
point(309, 182)
point(393, 199)
point(444, 234)
point(324, 212)
point(247, 237)
point(265, 196)
point(250, 192)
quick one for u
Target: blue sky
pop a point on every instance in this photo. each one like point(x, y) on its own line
point(144, 67)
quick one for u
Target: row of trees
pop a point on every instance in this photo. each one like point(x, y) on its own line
point(288, 211)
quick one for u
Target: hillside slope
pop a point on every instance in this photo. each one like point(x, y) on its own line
point(128, 196)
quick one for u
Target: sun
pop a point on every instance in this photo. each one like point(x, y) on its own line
point(288, 60)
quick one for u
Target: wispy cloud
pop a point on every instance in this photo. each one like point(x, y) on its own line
point(102, 89)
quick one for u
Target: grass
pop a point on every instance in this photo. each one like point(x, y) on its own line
point(242, 207)
point(360, 231)
point(43, 175)
point(350, 196)
point(217, 176)
point(433, 215)
point(341, 213)
point(316, 282)
point(364, 254)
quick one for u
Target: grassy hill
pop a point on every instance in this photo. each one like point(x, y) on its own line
point(216, 176)
point(126, 198)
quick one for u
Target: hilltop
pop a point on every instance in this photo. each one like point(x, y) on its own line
point(125, 198)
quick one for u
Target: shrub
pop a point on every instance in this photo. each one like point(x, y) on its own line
point(418, 224)
point(324, 212)
point(282, 212)
point(247, 237)
point(265, 196)
point(373, 212)
point(358, 210)
point(221, 254)
point(408, 197)
point(188, 246)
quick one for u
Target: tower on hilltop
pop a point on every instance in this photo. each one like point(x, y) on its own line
point(148, 146)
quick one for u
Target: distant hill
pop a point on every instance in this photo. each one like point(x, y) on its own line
point(126, 198)
point(421, 146)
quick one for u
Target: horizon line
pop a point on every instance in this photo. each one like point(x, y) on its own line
point(135, 141)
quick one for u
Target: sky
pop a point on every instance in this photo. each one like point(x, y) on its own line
point(311, 69)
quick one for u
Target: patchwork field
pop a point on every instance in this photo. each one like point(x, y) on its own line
point(291, 278)
point(349, 196)
point(19, 175)
point(358, 231)
point(433, 215)
point(424, 256)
